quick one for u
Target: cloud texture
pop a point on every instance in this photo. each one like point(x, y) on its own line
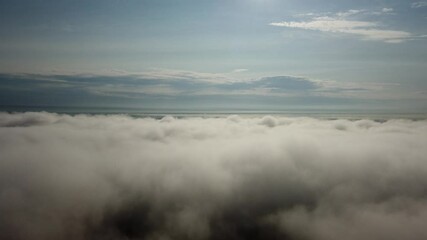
point(118, 177)
point(341, 23)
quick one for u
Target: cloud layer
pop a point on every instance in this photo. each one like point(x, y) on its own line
point(117, 177)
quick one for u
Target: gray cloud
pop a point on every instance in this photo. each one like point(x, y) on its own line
point(117, 177)
point(175, 87)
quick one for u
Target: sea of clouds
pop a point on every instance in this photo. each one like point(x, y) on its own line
point(118, 177)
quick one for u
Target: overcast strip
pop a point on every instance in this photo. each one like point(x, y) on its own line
point(117, 177)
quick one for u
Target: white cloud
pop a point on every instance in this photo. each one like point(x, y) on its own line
point(338, 23)
point(117, 177)
point(384, 11)
point(418, 4)
point(387, 10)
point(239, 70)
point(326, 24)
point(350, 12)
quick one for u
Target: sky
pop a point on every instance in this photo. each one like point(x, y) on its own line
point(252, 54)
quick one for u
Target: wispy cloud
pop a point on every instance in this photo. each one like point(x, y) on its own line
point(174, 83)
point(387, 10)
point(350, 12)
point(340, 23)
point(239, 70)
point(419, 4)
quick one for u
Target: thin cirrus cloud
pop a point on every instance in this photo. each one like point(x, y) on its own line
point(419, 4)
point(176, 83)
point(387, 10)
point(239, 70)
point(340, 23)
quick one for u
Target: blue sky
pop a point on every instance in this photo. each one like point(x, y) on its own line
point(241, 53)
